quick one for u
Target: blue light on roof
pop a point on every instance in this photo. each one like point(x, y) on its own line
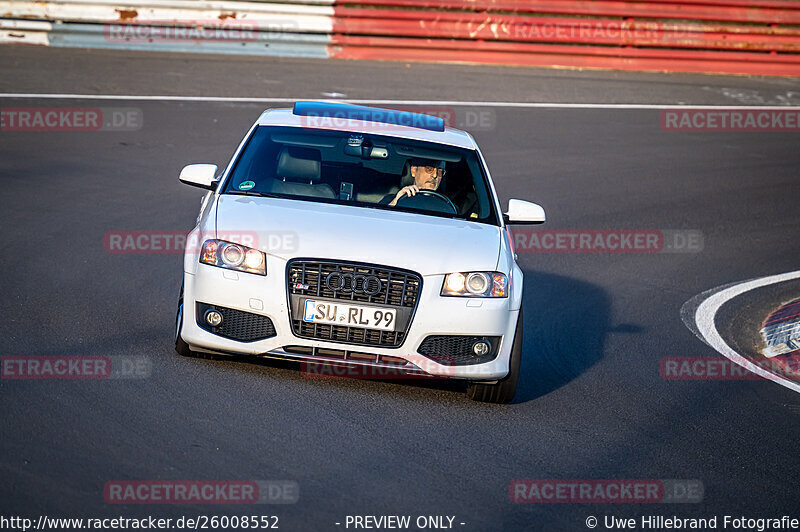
point(368, 114)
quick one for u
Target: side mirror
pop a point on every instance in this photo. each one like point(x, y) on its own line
point(199, 175)
point(524, 212)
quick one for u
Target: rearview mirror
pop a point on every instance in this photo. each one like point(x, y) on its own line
point(199, 175)
point(524, 212)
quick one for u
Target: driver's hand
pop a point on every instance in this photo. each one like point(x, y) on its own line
point(410, 190)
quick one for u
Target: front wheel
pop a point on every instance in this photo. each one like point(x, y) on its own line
point(180, 346)
point(502, 391)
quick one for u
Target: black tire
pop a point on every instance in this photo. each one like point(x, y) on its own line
point(502, 391)
point(181, 347)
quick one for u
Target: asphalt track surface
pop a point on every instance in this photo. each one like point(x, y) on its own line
point(591, 403)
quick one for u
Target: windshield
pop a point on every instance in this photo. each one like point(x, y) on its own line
point(364, 170)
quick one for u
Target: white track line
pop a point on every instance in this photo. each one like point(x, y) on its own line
point(704, 317)
point(548, 105)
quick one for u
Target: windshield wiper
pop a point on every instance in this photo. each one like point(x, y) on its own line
point(252, 193)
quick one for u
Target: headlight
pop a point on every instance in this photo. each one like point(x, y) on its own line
point(233, 257)
point(475, 284)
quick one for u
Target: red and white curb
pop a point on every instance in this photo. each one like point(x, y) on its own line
point(707, 310)
point(781, 331)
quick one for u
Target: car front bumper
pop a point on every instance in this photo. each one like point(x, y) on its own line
point(267, 296)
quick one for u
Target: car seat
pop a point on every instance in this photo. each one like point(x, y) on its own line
point(297, 170)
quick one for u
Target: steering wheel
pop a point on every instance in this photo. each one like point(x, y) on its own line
point(432, 194)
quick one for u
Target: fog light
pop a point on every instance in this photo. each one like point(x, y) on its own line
point(213, 317)
point(481, 348)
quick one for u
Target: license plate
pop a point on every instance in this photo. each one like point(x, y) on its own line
point(349, 315)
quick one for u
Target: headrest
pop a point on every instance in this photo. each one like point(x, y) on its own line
point(296, 163)
point(406, 179)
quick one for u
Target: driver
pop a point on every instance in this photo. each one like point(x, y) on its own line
point(427, 175)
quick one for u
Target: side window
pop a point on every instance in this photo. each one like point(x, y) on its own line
point(459, 187)
point(482, 206)
point(256, 163)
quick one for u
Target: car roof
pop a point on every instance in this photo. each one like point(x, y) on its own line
point(286, 117)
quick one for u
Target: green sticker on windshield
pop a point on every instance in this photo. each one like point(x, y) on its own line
point(246, 185)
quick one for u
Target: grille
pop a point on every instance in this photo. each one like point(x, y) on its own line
point(237, 324)
point(451, 350)
point(399, 289)
point(345, 355)
point(352, 364)
point(350, 335)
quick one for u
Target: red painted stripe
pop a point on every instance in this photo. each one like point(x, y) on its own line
point(773, 319)
point(778, 315)
point(732, 11)
point(562, 30)
point(344, 11)
point(720, 65)
point(781, 313)
point(492, 31)
point(485, 18)
point(502, 46)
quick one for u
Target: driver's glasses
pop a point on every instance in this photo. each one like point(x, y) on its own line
point(433, 170)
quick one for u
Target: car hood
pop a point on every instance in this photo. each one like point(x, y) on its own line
point(292, 228)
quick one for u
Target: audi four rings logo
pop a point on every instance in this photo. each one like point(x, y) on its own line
point(369, 285)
